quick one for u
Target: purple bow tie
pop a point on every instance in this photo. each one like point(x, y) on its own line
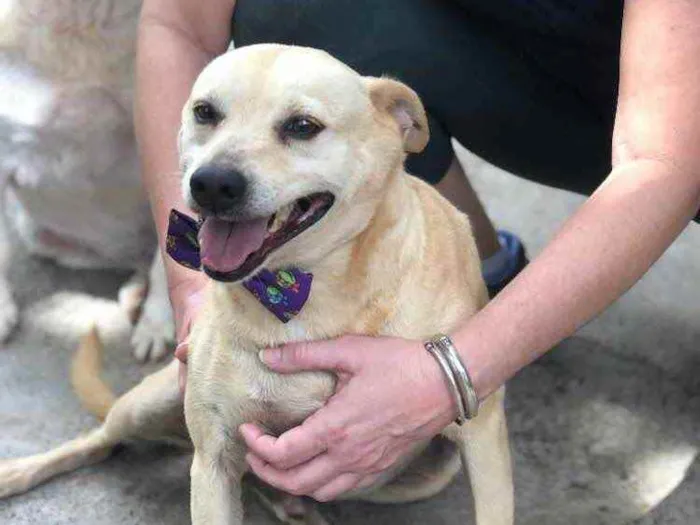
point(283, 292)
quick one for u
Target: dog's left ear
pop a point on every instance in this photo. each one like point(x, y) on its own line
point(403, 104)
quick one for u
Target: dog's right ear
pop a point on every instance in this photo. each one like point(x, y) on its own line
point(404, 106)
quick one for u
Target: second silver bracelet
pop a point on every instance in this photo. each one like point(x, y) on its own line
point(464, 383)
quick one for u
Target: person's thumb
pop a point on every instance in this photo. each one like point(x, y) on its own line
point(333, 355)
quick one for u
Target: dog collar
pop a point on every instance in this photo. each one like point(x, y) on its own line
point(283, 292)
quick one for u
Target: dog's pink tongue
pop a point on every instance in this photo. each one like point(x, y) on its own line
point(226, 245)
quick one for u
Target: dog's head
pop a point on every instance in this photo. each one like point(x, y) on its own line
point(286, 152)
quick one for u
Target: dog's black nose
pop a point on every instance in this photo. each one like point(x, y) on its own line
point(216, 189)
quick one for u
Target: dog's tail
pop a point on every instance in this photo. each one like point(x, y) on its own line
point(93, 392)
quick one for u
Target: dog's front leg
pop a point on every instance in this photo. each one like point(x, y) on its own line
point(219, 463)
point(155, 327)
point(216, 490)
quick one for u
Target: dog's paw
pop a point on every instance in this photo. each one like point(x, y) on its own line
point(132, 295)
point(9, 314)
point(16, 477)
point(154, 332)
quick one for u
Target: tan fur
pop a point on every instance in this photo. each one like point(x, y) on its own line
point(400, 102)
point(391, 257)
point(94, 394)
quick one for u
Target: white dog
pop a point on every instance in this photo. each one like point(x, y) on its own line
point(69, 176)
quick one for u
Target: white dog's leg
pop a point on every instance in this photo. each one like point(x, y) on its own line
point(155, 329)
point(483, 444)
point(132, 294)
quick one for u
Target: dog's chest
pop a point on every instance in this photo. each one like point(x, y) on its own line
point(296, 331)
point(230, 386)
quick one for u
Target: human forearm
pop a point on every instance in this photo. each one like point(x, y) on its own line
point(177, 38)
point(634, 216)
point(598, 254)
point(174, 45)
point(167, 65)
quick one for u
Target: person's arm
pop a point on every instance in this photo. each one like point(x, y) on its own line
point(601, 251)
point(651, 194)
point(176, 39)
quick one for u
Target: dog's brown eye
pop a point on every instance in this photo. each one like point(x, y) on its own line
point(301, 128)
point(206, 114)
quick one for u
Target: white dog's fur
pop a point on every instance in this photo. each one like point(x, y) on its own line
point(69, 175)
point(391, 257)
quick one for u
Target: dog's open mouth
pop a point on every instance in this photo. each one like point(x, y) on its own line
point(230, 251)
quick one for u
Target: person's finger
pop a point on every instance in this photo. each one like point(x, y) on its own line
point(182, 327)
point(296, 446)
point(337, 487)
point(300, 481)
point(314, 355)
point(181, 351)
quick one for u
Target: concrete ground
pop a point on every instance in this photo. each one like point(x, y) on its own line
point(605, 429)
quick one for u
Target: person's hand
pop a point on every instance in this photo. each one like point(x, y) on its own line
point(186, 295)
point(390, 395)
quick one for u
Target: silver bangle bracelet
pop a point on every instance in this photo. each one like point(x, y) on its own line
point(432, 348)
point(464, 383)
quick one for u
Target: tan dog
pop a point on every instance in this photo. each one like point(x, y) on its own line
point(293, 159)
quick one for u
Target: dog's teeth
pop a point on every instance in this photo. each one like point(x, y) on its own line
point(280, 218)
point(276, 224)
